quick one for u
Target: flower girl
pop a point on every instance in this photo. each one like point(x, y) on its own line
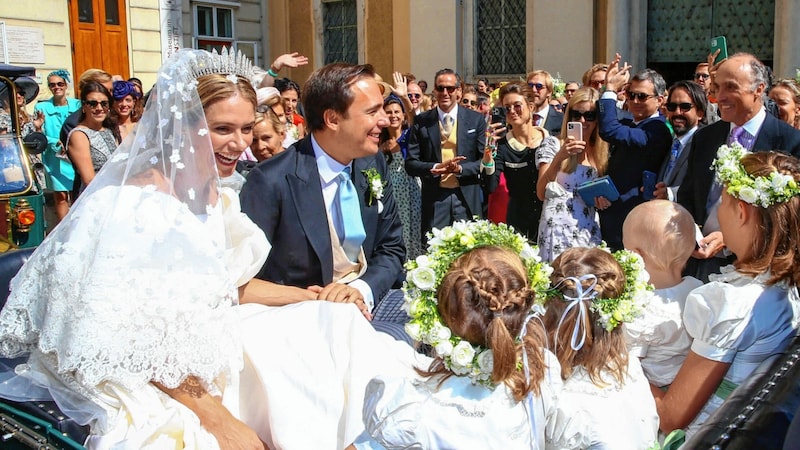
point(492, 383)
point(594, 292)
point(749, 312)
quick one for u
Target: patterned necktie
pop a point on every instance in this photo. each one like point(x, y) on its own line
point(735, 136)
point(537, 120)
point(740, 135)
point(350, 216)
point(447, 124)
point(674, 152)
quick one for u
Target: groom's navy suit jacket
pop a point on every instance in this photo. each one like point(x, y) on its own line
point(283, 196)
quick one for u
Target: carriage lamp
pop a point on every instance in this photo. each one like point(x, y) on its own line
point(24, 216)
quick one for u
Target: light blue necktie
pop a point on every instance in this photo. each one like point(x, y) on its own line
point(350, 216)
point(674, 152)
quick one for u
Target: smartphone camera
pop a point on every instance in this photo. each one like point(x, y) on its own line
point(499, 115)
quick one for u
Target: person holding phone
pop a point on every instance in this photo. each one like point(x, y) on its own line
point(567, 221)
point(515, 156)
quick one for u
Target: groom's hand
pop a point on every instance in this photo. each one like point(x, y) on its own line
point(342, 293)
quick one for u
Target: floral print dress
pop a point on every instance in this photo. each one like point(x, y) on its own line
point(567, 221)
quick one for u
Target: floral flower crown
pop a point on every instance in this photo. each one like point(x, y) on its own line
point(612, 311)
point(425, 274)
point(758, 191)
point(637, 292)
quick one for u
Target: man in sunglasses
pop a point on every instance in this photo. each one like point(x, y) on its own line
point(445, 148)
point(415, 96)
point(702, 76)
point(637, 145)
point(686, 106)
point(544, 116)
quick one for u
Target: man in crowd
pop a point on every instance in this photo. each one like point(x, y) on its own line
point(445, 148)
point(702, 76)
point(415, 96)
point(332, 233)
point(686, 106)
point(596, 76)
point(739, 85)
point(544, 116)
point(637, 145)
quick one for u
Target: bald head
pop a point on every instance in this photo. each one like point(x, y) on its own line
point(663, 232)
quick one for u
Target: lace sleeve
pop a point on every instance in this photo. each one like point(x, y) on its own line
point(147, 305)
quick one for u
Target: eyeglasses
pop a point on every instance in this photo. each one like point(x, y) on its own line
point(449, 89)
point(410, 96)
point(468, 102)
point(537, 86)
point(57, 84)
point(516, 107)
point(597, 84)
point(671, 107)
point(640, 96)
point(589, 116)
point(94, 104)
point(701, 75)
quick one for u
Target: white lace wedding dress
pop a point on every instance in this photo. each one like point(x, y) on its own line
point(155, 300)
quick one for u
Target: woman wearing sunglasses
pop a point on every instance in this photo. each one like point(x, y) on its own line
point(567, 221)
point(56, 110)
point(90, 144)
point(515, 157)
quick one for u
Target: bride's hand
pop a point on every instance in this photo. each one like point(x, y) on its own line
point(232, 434)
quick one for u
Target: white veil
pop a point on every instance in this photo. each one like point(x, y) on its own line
point(132, 286)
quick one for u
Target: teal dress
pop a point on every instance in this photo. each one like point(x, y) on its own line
point(60, 173)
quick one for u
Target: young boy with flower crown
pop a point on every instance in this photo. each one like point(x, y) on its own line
point(663, 234)
point(749, 311)
point(492, 384)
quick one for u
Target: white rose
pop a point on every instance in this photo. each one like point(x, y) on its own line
point(444, 348)
point(423, 261)
point(377, 188)
point(486, 361)
point(423, 278)
point(463, 353)
point(448, 233)
point(779, 181)
point(440, 333)
point(748, 195)
point(412, 329)
point(529, 252)
point(460, 226)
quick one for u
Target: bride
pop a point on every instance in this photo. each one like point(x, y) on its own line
point(134, 314)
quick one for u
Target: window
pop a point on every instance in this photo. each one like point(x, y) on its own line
point(213, 27)
point(340, 31)
point(500, 37)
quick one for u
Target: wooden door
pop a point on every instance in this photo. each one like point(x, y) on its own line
point(99, 34)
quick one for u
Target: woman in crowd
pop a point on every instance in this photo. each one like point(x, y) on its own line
point(594, 294)
point(295, 124)
point(786, 94)
point(750, 311)
point(515, 157)
point(60, 172)
point(393, 142)
point(124, 107)
point(153, 252)
point(567, 221)
point(268, 134)
point(91, 143)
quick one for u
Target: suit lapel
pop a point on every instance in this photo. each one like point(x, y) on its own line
point(767, 135)
point(306, 192)
point(369, 213)
point(435, 134)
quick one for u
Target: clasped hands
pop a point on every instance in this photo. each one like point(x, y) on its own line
point(341, 293)
point(452, 165)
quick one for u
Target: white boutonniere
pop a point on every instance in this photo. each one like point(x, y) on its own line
point(375, 184)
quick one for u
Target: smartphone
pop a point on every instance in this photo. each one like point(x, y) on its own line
point(698, 238)
point(575, 129)
point(499, 115)
point(648, 184)
point(720, 43)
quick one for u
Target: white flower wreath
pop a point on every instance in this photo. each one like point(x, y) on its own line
point(425, 274)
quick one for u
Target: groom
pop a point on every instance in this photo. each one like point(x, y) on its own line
point(334, 230)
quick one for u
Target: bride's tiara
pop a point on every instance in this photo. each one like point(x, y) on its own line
point(226, 62)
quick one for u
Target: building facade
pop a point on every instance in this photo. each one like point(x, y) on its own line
point(498, 39)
